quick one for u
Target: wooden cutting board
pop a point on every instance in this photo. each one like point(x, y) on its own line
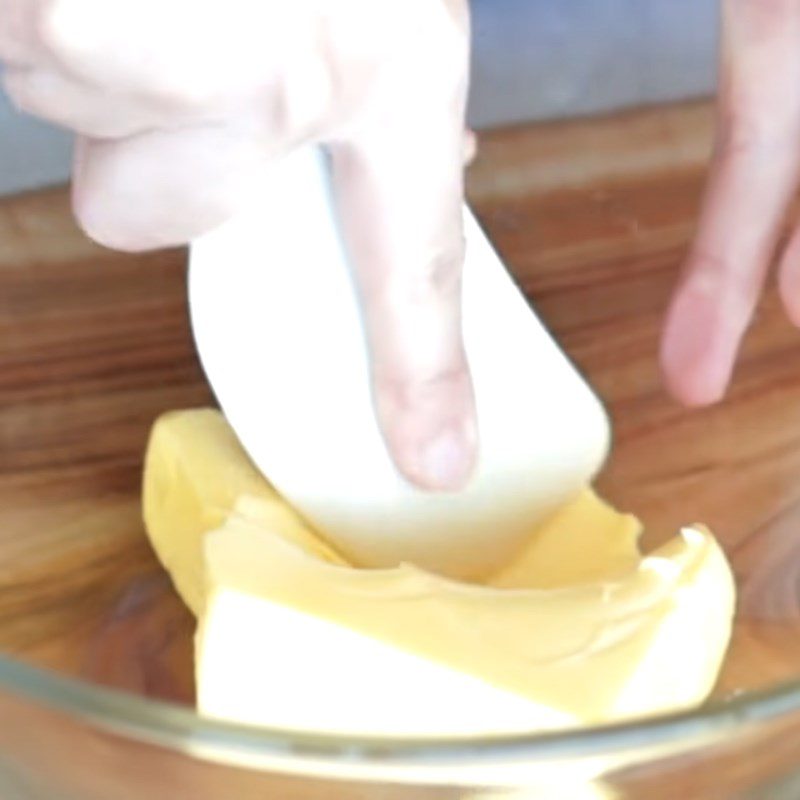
point(593, 218)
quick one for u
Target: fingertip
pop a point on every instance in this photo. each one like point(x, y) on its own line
point(430, 429)
point(686, 377)
point(693, 391)
point(434, 452)
point(697, 350)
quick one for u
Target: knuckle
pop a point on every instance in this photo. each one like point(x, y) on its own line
point(438, 280)
point(720, 279)
point(708, 264)
point(406, 391)
point(748, 132)
point(738, 136)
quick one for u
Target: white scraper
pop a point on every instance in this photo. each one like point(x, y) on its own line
point(279, 335)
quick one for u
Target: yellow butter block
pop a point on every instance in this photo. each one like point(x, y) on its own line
point(195, 471)
point(402, 650)
point(579, 628)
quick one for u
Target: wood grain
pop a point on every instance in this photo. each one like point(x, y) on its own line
point(93, 346)
point(592, 217)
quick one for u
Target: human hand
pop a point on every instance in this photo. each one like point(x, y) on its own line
point(179, 106)
point(754, 174)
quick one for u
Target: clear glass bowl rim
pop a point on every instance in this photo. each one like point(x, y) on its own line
point(180, 729)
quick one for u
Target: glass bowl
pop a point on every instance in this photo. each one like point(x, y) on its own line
point(95, 678)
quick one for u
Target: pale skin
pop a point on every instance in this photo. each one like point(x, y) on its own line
point(179, 105)
point(755, 169)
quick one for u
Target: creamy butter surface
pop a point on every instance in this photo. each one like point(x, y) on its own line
point(577, 628)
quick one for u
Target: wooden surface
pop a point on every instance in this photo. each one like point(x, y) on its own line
point(592, 217)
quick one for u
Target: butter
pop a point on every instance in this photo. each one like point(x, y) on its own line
point(585, 540)
point(578, 628)
point(265, 663)
point(293, 641)
point(195, 470)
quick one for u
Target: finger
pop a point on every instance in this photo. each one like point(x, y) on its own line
point(408, 256)
point(161, 189)
point(71, 104)
point(753, 174)
point(399, 193)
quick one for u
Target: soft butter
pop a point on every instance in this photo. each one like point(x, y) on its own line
point(577, 628)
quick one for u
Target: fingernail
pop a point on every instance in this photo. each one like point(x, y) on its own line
point(447, 461)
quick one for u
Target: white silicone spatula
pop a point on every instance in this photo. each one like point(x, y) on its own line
point(279, 334)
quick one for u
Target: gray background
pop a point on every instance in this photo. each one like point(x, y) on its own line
point(532, 59)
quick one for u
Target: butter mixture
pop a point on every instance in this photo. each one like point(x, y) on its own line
point(577, 628)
